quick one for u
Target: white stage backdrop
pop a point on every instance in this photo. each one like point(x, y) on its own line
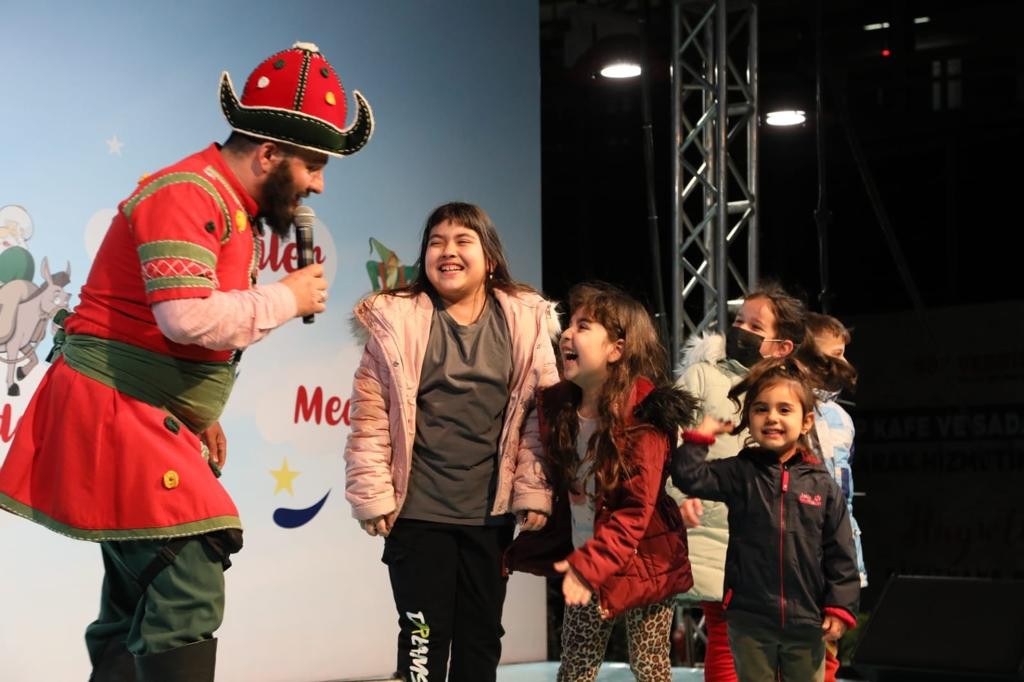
point(96, 94)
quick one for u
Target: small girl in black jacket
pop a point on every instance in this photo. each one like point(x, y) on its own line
point(791, 576)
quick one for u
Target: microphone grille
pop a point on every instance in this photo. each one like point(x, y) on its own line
point(303, 216)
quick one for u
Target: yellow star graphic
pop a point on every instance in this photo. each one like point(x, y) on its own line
point(284, 477)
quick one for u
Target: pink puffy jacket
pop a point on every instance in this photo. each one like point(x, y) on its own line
point(378, 454)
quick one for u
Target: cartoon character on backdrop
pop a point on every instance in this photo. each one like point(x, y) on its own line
point(388, 272)
point(15, 230)
point(25, 307)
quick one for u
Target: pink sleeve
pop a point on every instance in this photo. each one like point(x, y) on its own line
point(531, 487)
point(226, 319)
point(369, 484)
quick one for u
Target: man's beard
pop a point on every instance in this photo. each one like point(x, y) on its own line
point(279, 195)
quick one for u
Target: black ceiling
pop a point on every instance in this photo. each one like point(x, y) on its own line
point(938, 119)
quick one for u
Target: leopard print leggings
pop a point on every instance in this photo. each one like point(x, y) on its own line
point(585, 637)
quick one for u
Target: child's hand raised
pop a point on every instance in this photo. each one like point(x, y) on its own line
point(574, 589)
point(713, 426)
point(834, 628)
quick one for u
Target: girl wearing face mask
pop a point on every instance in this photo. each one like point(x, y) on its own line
point(436, 462)
point(770, 323)
point(791, 581)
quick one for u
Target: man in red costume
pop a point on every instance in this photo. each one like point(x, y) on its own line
point(120, 444)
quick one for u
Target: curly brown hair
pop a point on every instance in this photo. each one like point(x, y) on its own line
point(643, 355)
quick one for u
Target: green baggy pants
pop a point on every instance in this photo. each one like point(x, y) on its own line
point(182, 605)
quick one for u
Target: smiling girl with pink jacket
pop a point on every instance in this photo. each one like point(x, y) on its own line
point(437, 460)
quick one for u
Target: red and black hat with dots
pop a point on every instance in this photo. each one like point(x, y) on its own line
point(295, 96)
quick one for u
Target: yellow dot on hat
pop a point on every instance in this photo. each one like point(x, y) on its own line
point(241, 221)
point(263, 82)
point(331, 98)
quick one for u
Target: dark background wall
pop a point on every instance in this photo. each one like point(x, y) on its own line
point(940, 446)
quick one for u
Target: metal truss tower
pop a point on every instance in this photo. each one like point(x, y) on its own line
point(715, 136)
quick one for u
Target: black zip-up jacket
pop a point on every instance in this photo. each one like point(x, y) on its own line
point(791, 554)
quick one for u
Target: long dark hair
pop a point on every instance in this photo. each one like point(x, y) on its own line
point(476, 219)
point(642, 356)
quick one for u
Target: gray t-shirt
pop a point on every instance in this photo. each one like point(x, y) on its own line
point(581, 493)
point(460, 408)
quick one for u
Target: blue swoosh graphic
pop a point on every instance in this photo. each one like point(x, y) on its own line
point(293, 518)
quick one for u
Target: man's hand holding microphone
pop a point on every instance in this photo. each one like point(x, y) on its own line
point(307, 283)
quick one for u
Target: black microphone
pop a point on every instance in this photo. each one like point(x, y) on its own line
point(303, 219)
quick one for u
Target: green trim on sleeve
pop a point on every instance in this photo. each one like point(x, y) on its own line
point(174, 179)
point(170, 248)
point(177, 282)
point(174, 250)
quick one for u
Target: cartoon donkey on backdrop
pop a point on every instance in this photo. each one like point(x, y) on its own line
point(25, 308)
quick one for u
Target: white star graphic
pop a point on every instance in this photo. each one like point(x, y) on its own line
point(114, 145)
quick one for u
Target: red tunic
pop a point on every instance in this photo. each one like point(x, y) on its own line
point(96, 464)
point(185, 231)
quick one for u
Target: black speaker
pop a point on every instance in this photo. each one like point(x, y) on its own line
point(941, 628)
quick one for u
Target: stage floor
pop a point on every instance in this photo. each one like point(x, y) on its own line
point(545, 672)
point(610, 672)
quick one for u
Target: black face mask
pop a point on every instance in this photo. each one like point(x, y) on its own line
point(742, 346)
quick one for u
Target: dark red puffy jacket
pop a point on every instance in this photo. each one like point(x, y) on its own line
point(638, 554)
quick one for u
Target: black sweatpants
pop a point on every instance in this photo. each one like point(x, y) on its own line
point(449, 592)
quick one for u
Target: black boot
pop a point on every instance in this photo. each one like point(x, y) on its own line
point(190, 663)
point(115, 665)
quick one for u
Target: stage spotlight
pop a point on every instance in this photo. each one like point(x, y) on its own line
point(788, 117)
point(621, 70)
point(615, 57)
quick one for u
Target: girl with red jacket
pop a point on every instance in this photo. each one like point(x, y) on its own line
point(618, 537)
